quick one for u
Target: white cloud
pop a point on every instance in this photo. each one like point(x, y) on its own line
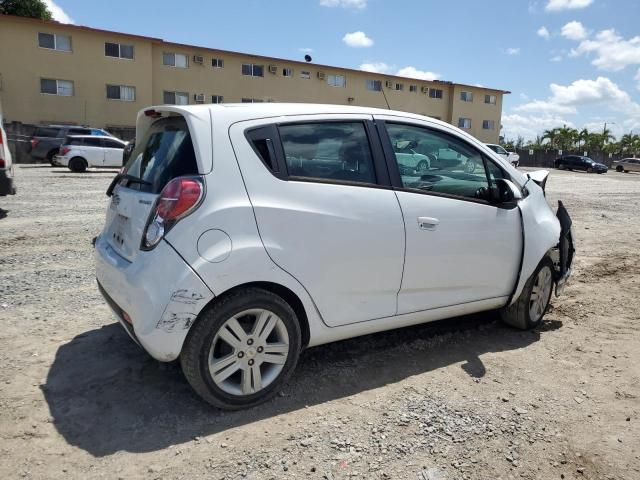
point(574, 31)
point(357, 40)
point(305, 50)
point(556, 58)
point(524, 96)
point(559, 5)
point(408, 71)
point(611, 51)
point(512, 51)
point(57, 12)
point(413, 72)
point(637, 79)
point(546, 107)
point(528, 126)
point(355, 4)
point(375, 67)
point(543, 32)
point(567, 100)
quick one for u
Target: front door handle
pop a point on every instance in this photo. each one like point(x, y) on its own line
point(428, 223)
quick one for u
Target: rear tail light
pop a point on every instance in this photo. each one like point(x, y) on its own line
point(34, 142)
point(178, 199)
point(64, 150)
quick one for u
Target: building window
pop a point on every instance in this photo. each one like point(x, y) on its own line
point(488, 125)
point(251, 70)
point(121, 92)
point(177, 60)
point(252, 100)
point(55, 41)
point(118, 50)
point(435, 93)
point(399, 87)
point(490, 99)
point(176, 98)
point(217, 63)
point(217, 99)
point(374, 85)
point(287, 72)
point(466, 96)
point(64, 88)
point(464, 122)
point(305, 75)
point(413, 88)
point(337, 80)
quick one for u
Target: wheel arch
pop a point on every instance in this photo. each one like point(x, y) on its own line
point(283, 292)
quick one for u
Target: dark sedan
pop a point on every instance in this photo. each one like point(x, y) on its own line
point(578, 162)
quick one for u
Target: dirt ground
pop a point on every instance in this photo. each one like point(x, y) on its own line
point(462, 399)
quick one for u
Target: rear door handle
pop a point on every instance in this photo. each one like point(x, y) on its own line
point(428, 223)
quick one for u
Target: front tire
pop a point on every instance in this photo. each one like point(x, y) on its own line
point(529, 309)
point(619, 168)
point(242, 349)
point(470, 166)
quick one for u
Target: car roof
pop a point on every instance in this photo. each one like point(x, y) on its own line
point(95, 136)
point(251, 111)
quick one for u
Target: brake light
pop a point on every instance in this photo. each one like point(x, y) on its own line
point(179, 198)
point(64, 150)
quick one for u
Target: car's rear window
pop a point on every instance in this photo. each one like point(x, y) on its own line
point(165, 152)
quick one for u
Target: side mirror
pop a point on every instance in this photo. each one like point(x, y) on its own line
point(504, 194)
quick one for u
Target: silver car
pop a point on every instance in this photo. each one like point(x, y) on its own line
point(627, 165)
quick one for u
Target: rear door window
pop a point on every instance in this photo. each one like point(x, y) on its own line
point(92, 142)
point(337, 151)
point(165, 152)
point(79, 131)
point(46, 132)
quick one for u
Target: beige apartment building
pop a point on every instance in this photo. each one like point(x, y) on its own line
point(58, 73)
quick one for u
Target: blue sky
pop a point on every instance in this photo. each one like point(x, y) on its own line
point(574, 62)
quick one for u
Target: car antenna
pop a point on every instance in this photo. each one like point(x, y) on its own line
point(385, 98)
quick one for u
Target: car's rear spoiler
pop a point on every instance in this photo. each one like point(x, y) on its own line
point(540, 177)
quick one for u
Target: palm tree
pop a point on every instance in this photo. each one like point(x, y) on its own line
point(567, 137)
point(552, 136)
point(582, 137)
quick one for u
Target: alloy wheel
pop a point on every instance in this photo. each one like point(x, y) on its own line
point(248, 352)
point(540, 294)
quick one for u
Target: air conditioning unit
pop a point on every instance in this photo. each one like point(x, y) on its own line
point(199, 97)
point(424, 89)
point(198, 59)
point(273, 69)
point(388, 84)
point(321, 75)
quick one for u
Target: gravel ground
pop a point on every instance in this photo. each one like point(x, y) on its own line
point(462, 399)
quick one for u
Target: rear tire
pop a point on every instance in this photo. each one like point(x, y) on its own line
point(626, 171)
point(77, 164)
point(210, 352)
point(50, 156)
point(422, 167)
point(589, 170)
point(619, 168)
point(560, 166)
point(529, 309)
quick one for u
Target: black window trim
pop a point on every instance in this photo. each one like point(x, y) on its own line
point(394, 171)
point(379, 163)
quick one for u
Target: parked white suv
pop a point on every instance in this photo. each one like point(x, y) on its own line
point(512, 157)
point(78, 152)
point(238, 235)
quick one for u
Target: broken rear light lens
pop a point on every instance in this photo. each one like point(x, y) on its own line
point(179, 198)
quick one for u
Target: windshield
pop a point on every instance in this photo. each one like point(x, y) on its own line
point(165, 152)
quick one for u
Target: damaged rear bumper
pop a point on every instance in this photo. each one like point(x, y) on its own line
point(564, 252)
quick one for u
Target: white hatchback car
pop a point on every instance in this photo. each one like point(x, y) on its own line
point(237, 235)
point(78, 152)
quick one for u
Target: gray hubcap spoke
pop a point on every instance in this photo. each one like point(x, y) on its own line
point(540, 294)
point(249, 352)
